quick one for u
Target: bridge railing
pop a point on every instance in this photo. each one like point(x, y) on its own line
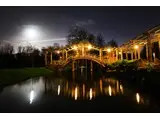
point(103, 60)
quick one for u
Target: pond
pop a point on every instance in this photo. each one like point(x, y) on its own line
point(75, 93)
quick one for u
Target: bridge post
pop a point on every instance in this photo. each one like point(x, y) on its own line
point(63, 55)
point(82, 50)
point(131, 55)
point(126, 55)
point(121, 55)
point(73, 66)
point(100, 54)
point(91, 66)
point(135, 54)
point(147, 51)
point(73, 75)
point(139, 55)
point(51, 58)
point(116, 55)
point(149, 44)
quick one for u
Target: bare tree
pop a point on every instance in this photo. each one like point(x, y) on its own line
point(77, 34)
point(7, 48)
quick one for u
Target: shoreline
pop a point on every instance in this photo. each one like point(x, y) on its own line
point(12, 76)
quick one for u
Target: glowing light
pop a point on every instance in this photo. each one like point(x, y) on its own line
point(137, 97)
point(75, 47)
point(120, 53)
point(110, 91)
point(58, 51)
point(76, 93)
point(136, 47)
point(108, 50)
point(89, 47)
point(31, 96)
point(59, 89)
point(30, 32)
point(90, 93)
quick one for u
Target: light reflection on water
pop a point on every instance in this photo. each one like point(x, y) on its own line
point(76, 93)
point(59, 88)
point(31, 96)
point(36, 88)
point(90, 93)
point(91, 90)
point(138, 97)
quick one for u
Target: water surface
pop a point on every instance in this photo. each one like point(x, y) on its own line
point(76, 94)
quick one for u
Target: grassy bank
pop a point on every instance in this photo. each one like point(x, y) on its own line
point(11, 76)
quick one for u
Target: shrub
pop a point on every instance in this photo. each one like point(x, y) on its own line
point(149, 67)
point(123, 66)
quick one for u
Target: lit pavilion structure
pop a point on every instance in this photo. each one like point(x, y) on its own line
point(81, 51)
point(132, 48)
point(135, 46)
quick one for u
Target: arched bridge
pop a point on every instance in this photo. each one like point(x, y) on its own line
point(102, 56)
point(86, 57)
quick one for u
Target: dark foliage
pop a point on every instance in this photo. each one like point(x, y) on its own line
point(112, 43)
point(100, 41)
point(25, 57)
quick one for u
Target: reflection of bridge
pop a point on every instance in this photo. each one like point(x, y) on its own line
point(89, 91)
point(147, 43)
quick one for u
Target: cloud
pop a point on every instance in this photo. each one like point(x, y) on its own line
point(85, 23)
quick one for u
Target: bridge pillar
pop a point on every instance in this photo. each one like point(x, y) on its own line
point(121, 55)
point(100, 54)
point(63, 55)
point(149, 44)
point(126, 55)
point(139, 55)
point(83, 51)
point(73, 75)
point(135, 54)
point(45, 55)
point(131, 55)
point(147, 51)
point(73, 66)
point(116, 55)
point(51, 58)
point(91, 66)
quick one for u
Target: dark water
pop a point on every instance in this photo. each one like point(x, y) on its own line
point(79, 93)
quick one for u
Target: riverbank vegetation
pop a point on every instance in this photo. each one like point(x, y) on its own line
point(129, 66)
point(11, 76)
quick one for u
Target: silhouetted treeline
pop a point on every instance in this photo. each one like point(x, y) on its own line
point(24, 57)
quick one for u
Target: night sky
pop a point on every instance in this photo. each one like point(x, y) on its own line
point(118, 23)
